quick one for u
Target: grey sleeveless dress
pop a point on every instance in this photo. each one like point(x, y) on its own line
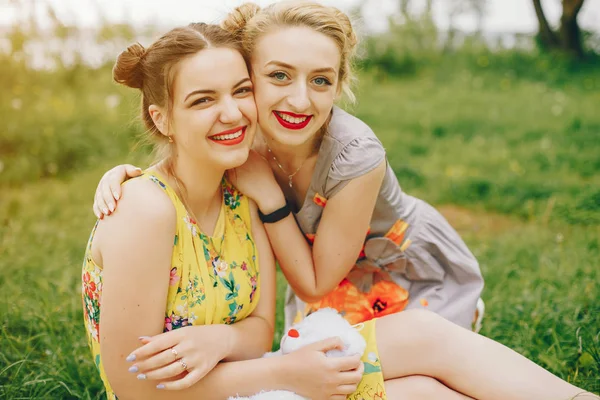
point(411, 255)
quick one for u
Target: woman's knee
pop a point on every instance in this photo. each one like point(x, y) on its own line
point(409, 342)
point(417, 326)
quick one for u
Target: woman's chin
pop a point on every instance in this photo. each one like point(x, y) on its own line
point(232, 161)
point(291, 138)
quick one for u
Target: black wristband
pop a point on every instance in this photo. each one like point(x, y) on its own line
point(276, 215)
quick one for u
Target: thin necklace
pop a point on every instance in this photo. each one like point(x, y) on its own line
point(191, 213)
point(290, 176)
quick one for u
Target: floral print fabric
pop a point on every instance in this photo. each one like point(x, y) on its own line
point(213, 279)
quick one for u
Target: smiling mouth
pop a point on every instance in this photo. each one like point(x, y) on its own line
point(230, 137)
point(291, 120)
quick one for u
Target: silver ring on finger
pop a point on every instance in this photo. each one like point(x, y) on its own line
point(175, 353)
point(184, 366)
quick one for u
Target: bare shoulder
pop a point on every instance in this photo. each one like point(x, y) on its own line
point(145, 212)
point(144, 198)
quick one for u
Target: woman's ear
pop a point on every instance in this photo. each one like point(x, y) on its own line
point(159, 118)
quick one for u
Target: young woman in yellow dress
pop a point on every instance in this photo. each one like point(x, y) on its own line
point(186, 253)
point(186, 250)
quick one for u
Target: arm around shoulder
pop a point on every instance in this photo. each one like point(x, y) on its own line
point(136, 248)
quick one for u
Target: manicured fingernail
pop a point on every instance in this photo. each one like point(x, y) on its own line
point(116, 195)
point(130, 358)
point(133, 368)
point(141, 377)
point(105, 211)
point(160, 386)
point(144, 338)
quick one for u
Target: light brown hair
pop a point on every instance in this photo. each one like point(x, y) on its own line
point(153, 70)
point(249, 23)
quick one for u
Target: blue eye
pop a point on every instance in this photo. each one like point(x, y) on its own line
point(280, 76)
point(320, 81)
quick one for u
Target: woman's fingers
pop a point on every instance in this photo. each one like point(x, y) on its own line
point(346, 389)
point(165, 372)
point(96, 210)
point(350, 378)
point(131, 171)
point(185, 382)
point(156, 345)
point(120, 175)
point(107, 196)
point(99, 203)
point(347, 363)
point(157, 361)
point(326, 345)
point(109, 188)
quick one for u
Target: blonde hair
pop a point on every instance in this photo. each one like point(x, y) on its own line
point(249, 23)
point(152, 70)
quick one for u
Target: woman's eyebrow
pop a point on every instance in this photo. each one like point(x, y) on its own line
point(288, 66)
point(280, 64)
point(328, 69)
point(200, 91)
point(211, 91)
point(242, 82)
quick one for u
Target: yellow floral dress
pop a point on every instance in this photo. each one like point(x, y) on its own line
point(213, 280)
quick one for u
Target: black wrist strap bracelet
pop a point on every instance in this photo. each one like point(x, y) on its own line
point(276, 215)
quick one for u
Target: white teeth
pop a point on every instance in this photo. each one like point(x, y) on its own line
point(291, 119)
point(229, 136)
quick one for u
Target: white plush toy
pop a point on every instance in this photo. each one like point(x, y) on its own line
point(319, 325)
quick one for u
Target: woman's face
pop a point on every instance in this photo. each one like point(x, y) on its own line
point(213, 116)
point(295, 72)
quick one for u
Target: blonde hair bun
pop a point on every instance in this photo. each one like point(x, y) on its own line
point(128, 69)
point(236, 21)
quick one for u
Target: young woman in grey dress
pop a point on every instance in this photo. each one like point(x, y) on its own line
point(375, 250)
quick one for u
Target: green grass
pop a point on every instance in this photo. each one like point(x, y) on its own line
point(513, 163)
point(484, 139)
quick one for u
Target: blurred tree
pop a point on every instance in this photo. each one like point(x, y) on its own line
point(568, 36)
point(478, 8)
point(456, 8)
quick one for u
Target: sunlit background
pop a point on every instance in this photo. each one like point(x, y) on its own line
point(488, 109)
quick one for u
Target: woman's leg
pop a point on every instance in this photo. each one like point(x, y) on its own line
point(418, 342)
point(418, 387)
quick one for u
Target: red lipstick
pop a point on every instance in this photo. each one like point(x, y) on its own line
point(229, 142)
point(291, 125)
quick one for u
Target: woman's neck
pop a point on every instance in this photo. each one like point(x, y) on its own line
point(291, 157)
point(199, 186)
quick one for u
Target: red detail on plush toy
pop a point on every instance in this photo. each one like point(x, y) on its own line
point(293, 333)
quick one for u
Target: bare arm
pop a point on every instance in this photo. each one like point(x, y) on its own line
point(340, 236)
point(136, 247)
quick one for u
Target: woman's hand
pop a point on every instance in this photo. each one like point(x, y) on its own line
point(180, 358)
point(314, 375)
point(255, 179)
point(109, 188)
